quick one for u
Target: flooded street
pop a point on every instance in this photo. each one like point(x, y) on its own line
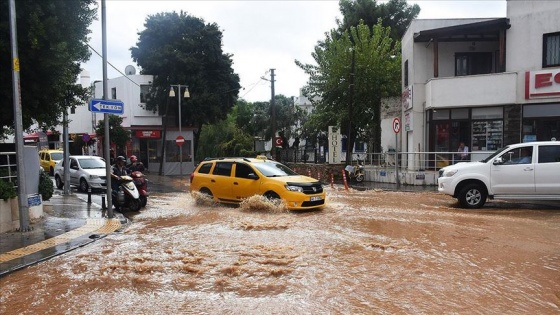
point(370, 252)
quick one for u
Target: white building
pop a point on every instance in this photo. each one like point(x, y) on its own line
point(486, 82)
point(147, 127)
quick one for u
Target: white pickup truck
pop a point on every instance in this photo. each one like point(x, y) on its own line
point(527, 171)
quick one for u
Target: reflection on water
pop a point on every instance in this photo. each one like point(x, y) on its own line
point(370, 252)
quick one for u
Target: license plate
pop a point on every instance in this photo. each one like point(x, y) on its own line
point(316, 198)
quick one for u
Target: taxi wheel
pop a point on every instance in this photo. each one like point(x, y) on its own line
point(206, 192)
point(273, 197)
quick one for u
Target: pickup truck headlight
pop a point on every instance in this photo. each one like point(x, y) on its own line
point(450, 173)
point(294, 188)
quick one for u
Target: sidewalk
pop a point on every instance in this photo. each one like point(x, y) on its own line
point(70, 222)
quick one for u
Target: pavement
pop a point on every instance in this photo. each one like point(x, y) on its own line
point(70, 222)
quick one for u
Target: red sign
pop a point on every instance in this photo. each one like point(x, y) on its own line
point(278, 141)
point(542, 83)
point(149, 134)
point(180, 140)
point(396, 125)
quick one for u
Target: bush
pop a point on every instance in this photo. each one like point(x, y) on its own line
point(7, 190)
point(46, 187)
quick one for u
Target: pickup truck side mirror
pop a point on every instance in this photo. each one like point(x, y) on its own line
point(498, 161)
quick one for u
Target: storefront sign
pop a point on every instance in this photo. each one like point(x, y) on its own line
point(152, 134)
point(542, 84)
point(334, 145)
point(408, 121)
point(406, 98)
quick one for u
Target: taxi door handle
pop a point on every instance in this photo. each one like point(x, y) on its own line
point(235, 183)
point(213, 181)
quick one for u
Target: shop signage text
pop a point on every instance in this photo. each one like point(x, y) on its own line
point(542, 84)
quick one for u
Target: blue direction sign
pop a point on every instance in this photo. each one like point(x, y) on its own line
point(115, 107)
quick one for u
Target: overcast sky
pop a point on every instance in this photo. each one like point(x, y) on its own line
point(259, 34)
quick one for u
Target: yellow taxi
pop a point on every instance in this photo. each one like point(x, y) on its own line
point(49, 158)
point(230, 180)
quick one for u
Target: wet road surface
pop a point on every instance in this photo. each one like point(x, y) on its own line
point(370, 252)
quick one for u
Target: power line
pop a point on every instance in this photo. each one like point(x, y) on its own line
point(119, 71)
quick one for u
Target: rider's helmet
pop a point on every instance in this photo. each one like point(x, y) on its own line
point(120, 158)
point(133, 158)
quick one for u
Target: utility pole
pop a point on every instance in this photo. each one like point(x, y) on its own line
point(107, 139)
point(18, 122)
point(350, 111)
point(273, 114)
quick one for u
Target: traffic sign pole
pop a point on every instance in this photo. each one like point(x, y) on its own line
point(397, 129)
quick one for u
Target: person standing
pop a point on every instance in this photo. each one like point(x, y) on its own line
point(463, 152)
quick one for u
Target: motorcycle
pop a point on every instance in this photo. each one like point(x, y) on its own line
point(355, 172)
point(141, 184)
point(127, 196)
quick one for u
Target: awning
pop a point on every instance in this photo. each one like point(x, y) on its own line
point(479, 31)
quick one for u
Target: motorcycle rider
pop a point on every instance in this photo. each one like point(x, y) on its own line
point(135, 165)
point(117, 171)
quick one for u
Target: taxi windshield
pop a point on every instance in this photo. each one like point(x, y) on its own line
point(273, 169)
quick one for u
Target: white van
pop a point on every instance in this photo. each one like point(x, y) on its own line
point(529, 171)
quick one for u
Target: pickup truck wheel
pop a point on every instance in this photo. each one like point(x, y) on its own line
point(472, 196)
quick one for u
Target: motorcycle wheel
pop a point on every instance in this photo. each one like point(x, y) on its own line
point(134, 205)
point(360, 178)
point(143, 201)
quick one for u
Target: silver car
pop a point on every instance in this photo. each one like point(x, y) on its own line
point(85, 171)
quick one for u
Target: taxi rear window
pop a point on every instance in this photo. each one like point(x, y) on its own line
point(205, 168)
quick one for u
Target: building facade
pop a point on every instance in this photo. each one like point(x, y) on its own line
point(153, 135)
point(484, 82)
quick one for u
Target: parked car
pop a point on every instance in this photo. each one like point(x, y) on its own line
point(230, 180)
point(527, 171)
point(49, 158)
point(85, 171)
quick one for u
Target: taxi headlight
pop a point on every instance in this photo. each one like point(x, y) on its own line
point(294, 188)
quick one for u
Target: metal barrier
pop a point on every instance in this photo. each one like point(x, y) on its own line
point(8, 167)
point(420, 161)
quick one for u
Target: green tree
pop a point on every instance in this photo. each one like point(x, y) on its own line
point(372, 58)
point(225, 138)
point(289, 118)
point(117, 134)
point(178, 48)
point(396, 14)
point(52, 42)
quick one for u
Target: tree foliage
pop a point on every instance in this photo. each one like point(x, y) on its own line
point(225, 138)
point(376, 60)
point(396, 14)
point(117, 134)
point(177, 48)
point(52, 42)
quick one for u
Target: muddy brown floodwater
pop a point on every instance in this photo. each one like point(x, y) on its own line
point(372, 252)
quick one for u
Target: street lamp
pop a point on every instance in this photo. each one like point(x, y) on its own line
point(185, 95)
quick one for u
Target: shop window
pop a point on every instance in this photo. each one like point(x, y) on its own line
point(551, 50)
point(114, 93)
point(488, 113)
point(487, 135)
point(440, 114)
point(473, 63)
point(359, 146)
